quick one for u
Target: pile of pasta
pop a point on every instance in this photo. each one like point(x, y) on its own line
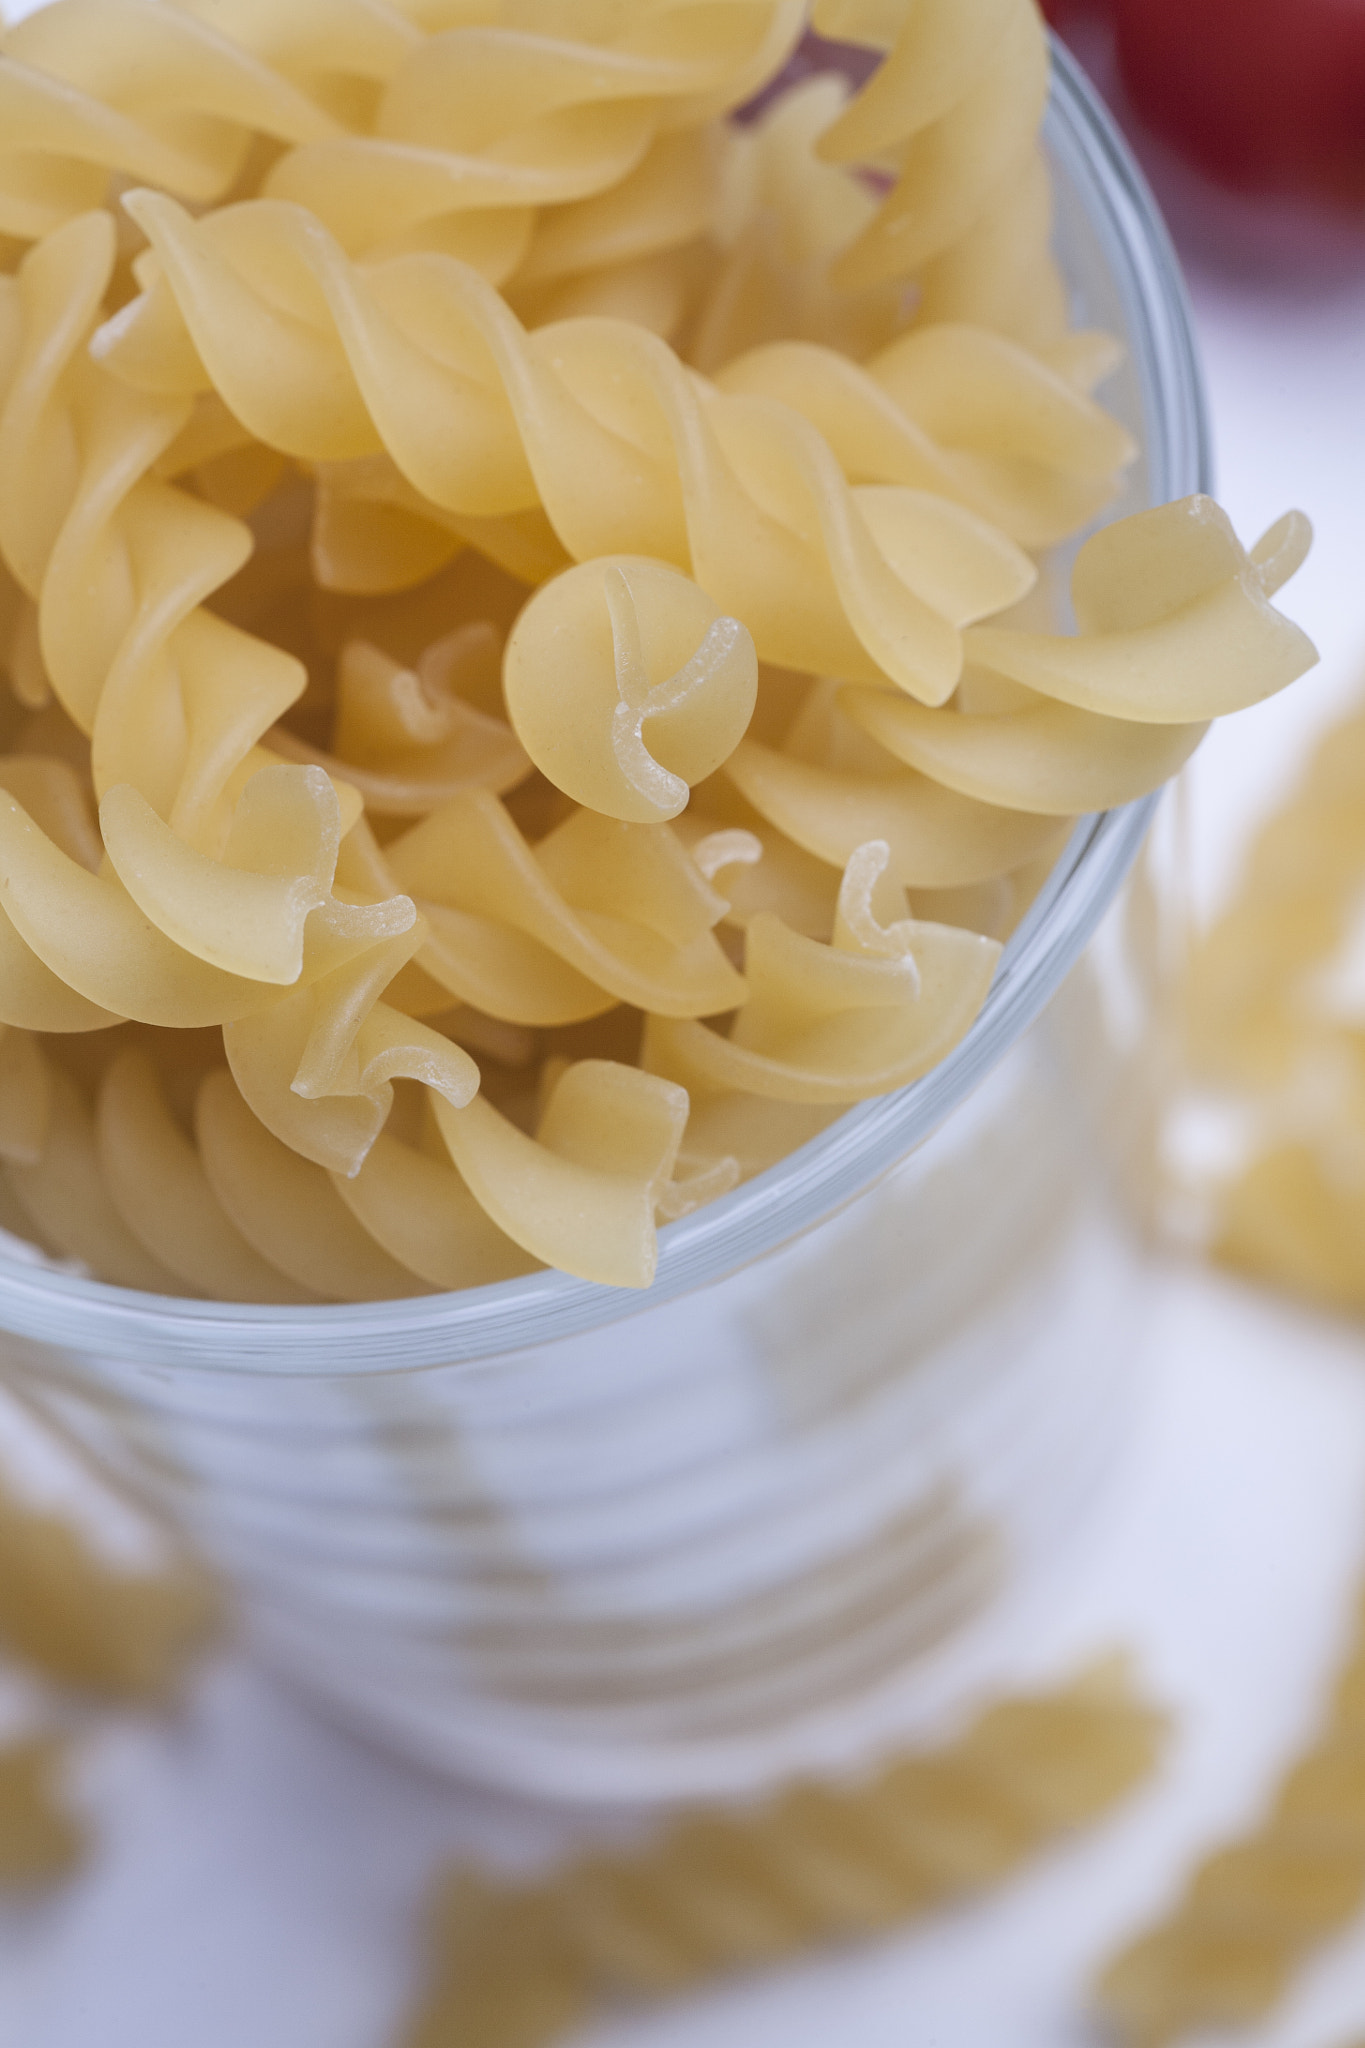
point(503, 738)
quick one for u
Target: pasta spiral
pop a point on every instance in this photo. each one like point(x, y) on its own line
point(491, 119)
point(1252, 1911)
point(595, 420)
point(157, 94)
point(955, 108)
point(819, 1862)
point(1271, 1020)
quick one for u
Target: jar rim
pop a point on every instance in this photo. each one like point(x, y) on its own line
point(482, 1324)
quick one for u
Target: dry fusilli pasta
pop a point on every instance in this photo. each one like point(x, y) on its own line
point(466, 753)
point(518, 1964)
point(1271, 1013)
point(1252, 1911)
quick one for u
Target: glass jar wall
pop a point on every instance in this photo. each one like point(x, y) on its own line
point(593, 1544)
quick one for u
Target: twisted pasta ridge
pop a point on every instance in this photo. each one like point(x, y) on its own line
point(1104, 715)
point(1251, 1912)
point(828, 785)
point(40, 1839)
point(597, 421)
point(598, 912)
point(213, 1202)
point(157, 94)
point(406, 738)
point(784, 217)
point(1165, 602)
point(483, 124)
point(912, 416)
point(172, 698)
point(824, 1024)
point(955, 107)
point(818, 1862)
point(399, 133)
point(218, 888)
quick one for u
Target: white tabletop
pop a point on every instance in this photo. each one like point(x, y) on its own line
point(259, 1873)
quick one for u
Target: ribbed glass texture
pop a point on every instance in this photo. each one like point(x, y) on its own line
point(592, 1543)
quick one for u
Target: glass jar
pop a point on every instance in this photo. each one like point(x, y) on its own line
point(594, 1544)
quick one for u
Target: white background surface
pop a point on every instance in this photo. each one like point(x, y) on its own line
point(259, 1874)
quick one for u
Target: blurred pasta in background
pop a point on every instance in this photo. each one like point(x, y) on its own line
point(101, 1611)
point(718, 1892)
point(1268, 1136)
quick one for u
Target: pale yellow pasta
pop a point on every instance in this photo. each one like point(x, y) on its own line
point(784, 218)
point(584, 1192)
point(596, 420)
point(958, 411)
point(626, 686)
point(507, 577)
point(870, 1012)
point(819, 1862)
point(937, 838)
point(955, 108)
point(1251, 1913)
point(453, 127)
point(1174, 620)
point(63, 1196)
point(287, 1208)
point(406, 738)
point(422, 1213)
point(373, 531)
point(87, 1624)
point(40, 1838)
point(620, 905)
point(1043, 757)
point(162, 1193)
point(25, 1098)
point(318, 1068)
point(93, 933)
point(153, 94)
point(1270, 1010)
point(640, 251)
point(755, 868)
point(510, 110)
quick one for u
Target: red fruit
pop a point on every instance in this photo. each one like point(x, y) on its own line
point(1064, 14)
point(1262, 94)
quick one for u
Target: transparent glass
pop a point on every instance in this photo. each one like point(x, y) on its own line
point(592, 1543)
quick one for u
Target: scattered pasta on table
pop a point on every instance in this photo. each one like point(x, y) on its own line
point(516, 1965)
point(1252, 1912)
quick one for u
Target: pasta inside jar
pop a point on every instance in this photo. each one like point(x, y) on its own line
point(528, 594)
